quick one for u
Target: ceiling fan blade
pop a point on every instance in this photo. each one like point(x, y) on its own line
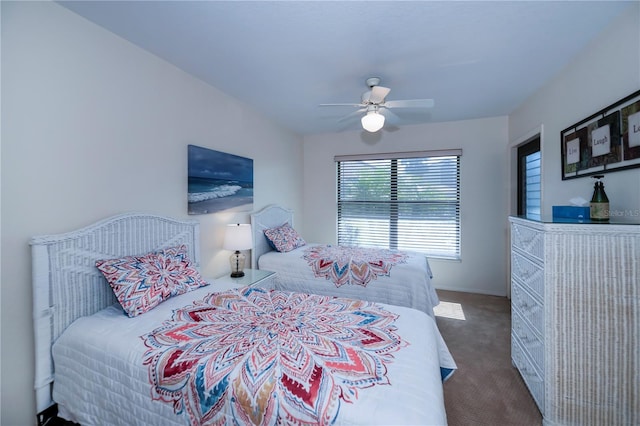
point(411, 103)
point(378, 93)
point(350, 105)
point(390, 116)
point(352, 115)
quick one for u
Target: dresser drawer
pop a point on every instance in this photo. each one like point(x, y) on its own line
point(531, 378)
point(529, 240)
point(527, 306)
point(530, 341)
point(530, 274)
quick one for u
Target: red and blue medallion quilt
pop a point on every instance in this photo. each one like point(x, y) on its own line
point(352, 265)
point(267, 357)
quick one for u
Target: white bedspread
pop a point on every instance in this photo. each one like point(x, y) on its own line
point(100, 378)
point(408, 284)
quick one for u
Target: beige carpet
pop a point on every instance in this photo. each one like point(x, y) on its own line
point(486, 390)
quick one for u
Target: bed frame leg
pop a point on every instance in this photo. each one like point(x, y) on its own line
point(48, 416)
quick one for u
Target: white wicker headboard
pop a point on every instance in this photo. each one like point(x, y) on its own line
point(67, 285)
point(269, 217)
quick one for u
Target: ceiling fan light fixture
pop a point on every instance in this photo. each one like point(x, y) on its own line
point(374, 100)
point(372, 121)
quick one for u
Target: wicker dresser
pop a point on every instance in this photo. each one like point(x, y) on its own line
point(575, 332)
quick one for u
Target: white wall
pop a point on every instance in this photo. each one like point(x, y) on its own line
point(93, 126)
point(483, 179)
point(607, 71)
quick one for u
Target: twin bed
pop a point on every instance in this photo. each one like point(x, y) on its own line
point(216, 354)
point(386, 276)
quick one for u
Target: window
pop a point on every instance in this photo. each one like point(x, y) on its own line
point(529, 167)
point(406, 201)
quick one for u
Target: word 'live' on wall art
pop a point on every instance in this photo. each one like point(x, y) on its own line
point(218, 181)
point(607, 141)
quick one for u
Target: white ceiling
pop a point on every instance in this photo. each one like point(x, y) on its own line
point(474, 58)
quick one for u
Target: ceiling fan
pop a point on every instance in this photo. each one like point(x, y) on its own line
point(375, 106)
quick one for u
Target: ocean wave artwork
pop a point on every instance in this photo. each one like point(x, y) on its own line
point(218, 181)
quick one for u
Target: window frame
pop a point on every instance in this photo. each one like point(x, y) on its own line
point(529, 147)
point(395, 205)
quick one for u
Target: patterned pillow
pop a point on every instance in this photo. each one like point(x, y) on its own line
point(284, 238)
point(141, 283)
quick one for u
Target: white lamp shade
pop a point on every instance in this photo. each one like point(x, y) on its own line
point(237, 236)
point(372, 121)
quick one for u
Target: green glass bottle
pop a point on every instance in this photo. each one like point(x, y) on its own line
point(599, 211)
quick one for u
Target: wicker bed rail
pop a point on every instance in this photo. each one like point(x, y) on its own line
point(67, 285)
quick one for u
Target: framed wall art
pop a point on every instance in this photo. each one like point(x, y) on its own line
point(218, 181)
point(606, 141)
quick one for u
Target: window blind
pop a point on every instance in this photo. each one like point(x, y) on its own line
point(404, 202)
point(532, 185)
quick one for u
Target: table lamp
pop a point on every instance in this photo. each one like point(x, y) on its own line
point(237, 237)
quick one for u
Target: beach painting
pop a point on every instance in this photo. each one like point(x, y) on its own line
point(218, 181)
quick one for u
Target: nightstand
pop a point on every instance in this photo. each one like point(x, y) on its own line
point(252, 277)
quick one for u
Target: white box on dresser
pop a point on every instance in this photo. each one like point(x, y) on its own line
point(576, 320)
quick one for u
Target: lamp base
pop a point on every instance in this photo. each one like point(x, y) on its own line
point(237, 264)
